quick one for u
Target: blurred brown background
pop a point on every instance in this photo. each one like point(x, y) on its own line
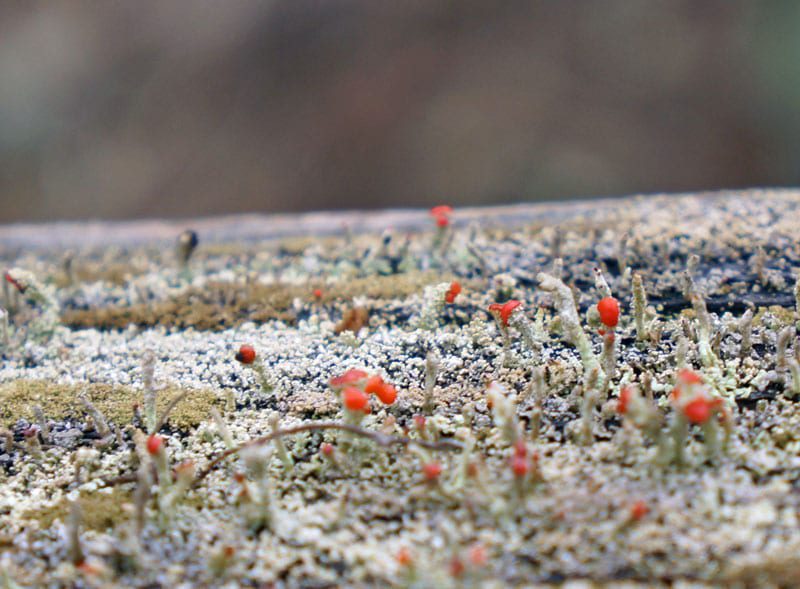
point(151, 108)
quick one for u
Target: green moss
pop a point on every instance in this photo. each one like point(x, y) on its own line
point(101, 511)
point(115, 402)
point(784, 315)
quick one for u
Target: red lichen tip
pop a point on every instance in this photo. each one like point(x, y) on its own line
point(504, 309)
point(383, 390)
point(639, 509)
point(519, 466)
point(455, 290)
point(326, 449)
point(520, 448)
point(441, 211)
point(403, 557)
point(373, 384)
point(317, 292)
point(387, 394)
point(698, 411)
point(348, 378)
point(625, 396)
point(477, 555)
point(355, 399)
point(246, 354)
point(689, 376)
point(441, 214)
point(11, 280)
point(431, 471)
point(457, 567)
point(154, 444)
point(608, 308)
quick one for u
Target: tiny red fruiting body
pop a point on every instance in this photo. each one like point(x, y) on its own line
point(185, 466)
point(387, 394)
point(349, 378)
point(477, 555)
point(431, 471)
point(504, 309)
point(355, 399)
point(326, 449)
point(456, 567)
point(689, 376)
point(455, 290)
point(520, 448)
point(519, 466)
point(88, 568)
point(698, 411)
point(625, 396)
point(317, 293)
point(246, 354)
point(639, 509)
point(403, 557)
point(15, 283)
point(608, 309)
point(154, 444)
point(441, 215)
point(375, 385)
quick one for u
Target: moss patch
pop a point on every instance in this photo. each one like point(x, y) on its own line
point(222, 306)
point(115, 402)
point(118, 273)
point(101, 511)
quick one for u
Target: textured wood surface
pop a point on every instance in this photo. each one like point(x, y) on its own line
point(256, 226)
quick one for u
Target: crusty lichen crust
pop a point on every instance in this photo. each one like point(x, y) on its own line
point(601, 506)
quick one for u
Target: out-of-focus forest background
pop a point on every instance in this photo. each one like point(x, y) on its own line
point(150, 108)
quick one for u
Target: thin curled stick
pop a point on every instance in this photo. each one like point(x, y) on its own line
point(377, 437)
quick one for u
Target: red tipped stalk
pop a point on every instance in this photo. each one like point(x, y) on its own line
point(352, 377)
point(453, 292)
point(155, 444)
point(504, 310)
point(441, 215)
point(638, 510)
point(625, 396)
point(432, 471)
point(519, 466)
point(384, 391)
point(608, 309)
point(246, 354)
point(404, 557)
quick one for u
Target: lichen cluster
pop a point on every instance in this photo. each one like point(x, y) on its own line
point(608, 395)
